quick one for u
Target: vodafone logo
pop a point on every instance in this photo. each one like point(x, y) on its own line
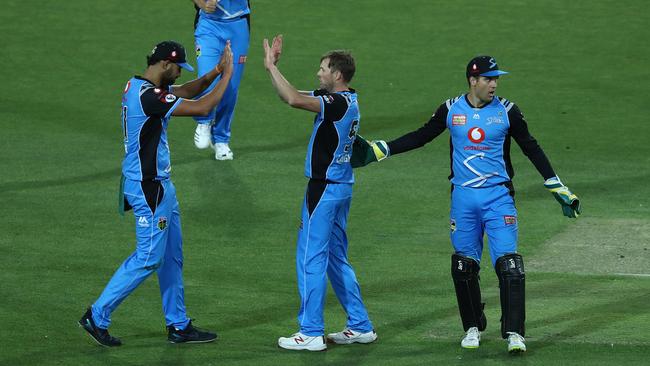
point(476, 135)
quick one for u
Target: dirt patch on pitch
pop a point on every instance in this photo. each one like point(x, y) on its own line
point(597, 246)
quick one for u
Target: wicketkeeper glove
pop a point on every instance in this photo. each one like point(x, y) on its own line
point(364, 152)
point(569, 201)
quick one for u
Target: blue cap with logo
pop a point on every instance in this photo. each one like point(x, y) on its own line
point(483, 66)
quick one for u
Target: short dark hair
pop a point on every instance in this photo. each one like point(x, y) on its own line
point(341, 61)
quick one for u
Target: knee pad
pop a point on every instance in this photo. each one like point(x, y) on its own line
point(465, 273)
point(510, 270)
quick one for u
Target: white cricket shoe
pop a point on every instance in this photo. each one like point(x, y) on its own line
point(347, 336)
point(300, 342)
point(471, 339)
point(222, 151)
point(203, 136)
point(516, 343)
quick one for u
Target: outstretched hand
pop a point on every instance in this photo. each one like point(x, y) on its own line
point(272, 52)
point(226, 62)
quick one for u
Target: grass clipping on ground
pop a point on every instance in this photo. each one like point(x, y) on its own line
point(597, 246)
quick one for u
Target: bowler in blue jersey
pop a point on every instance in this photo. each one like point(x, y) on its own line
point(322, 244)
point(148, 103)
point(481, 126)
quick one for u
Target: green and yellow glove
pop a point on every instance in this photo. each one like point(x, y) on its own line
point(569, 201)
point(364, 152)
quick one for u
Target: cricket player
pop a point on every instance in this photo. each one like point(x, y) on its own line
point(148, 103)
point(322, 242)
point(220, 21)
point(481, 125)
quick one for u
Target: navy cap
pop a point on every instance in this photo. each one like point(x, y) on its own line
point(483, 66)
point(170, 51)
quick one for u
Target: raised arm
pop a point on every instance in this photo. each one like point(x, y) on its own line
point(195, 87)
point(203, 105)
point(285, 90)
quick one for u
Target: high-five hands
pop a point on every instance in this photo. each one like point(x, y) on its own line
point(272, 52)
point(226, 62)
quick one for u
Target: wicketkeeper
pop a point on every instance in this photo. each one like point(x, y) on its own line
point(482, 194)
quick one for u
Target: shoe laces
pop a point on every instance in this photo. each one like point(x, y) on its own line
point(514, 336)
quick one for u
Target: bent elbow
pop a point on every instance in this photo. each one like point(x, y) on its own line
point(294, 102)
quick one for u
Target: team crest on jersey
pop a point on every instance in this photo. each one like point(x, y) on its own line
point(476, 135)
point(452, 225)
point(510, 220)
point(170, 98)
point(458, 120)
point(198, 50)
point(162, 223)
point(328, 99)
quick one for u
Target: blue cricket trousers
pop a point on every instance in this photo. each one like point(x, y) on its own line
point(159, 248)
point(322, 253)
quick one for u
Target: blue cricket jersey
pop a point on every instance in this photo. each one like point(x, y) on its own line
point(479, 142)
point(228, 10)
point(330, 145)
point(478, 136)
point(146, 110)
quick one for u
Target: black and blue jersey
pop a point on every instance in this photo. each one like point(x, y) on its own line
point(330, 145)
point(146, 110)
point(479, 141)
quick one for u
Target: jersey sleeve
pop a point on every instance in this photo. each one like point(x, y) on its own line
point(158, 102)
point(519, 131)
point(412, 140)
point(333, 106)
point(318, 93)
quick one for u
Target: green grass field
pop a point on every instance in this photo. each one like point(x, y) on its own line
point(579, 71)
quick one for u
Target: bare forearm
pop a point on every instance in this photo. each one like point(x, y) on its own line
point(195, 87)
point(284, 89)
point(203, 105)
point(214, 96)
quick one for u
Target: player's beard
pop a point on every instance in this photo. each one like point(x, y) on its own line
point(168, 78)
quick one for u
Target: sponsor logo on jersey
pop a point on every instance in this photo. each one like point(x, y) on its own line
point(143, 222)
point(162, 223)
point(345, 158)
point(328, 99)
point(198, 50)
point(170, 98)
point(476, 148)
point(476, 116)
point(495, 120)
point(452, 225)
point(510, 220)
point(458, 120)
point(242, 59)
point(157, 90)
point(476, 135)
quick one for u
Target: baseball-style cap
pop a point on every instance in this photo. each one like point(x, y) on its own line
point(483, 66)
point(170, 51)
